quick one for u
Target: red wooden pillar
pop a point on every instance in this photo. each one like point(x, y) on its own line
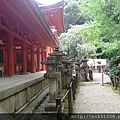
point(14, 56)
point(10, 56)
point(32, 59)
point(4, 61)
point(24, 63)
point(47, 52)
point(38, 59)
point(52, 49)
point(6, 68)
point(43, 58)
point(0, 19)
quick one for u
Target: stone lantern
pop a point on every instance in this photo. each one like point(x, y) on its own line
point(78, 68)
point(50, 64)
point(52, 75)
point(58, 54)
point(84, 61)
point(67, 71)
point(86, 68)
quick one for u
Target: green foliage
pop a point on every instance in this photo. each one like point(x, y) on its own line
point(71, 10)
point(117, 58)
point(113, 63)
point(91, 33)
point(85, 50)
point(72, 14)
point(74, 45)
point(103, 32)
point(101, 28)
point(112, 68)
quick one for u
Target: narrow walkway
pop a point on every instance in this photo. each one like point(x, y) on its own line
point(95, 98)
point(19, 78)
point(8, 82)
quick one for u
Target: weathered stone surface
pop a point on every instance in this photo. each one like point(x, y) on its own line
point(9, 89)
point(13, 98)
point(53, 89)
point(4, 115)
point(50, 107)
point(2, 110)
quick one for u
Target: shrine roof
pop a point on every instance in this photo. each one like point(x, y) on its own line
point(30, 18)
point(54, 15)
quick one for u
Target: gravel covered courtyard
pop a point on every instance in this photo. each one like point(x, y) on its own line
point(95, 98)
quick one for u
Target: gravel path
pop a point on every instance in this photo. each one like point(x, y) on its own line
point(95, 98)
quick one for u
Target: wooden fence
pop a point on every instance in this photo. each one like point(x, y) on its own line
point(116, 82)
point(71, 91)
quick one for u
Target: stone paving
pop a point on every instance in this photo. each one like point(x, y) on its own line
point(95, 98)
point(19, 79)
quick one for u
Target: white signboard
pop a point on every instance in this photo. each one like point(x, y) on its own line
point(96, 62)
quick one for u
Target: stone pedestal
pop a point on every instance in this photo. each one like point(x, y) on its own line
point(59, 68)
point(53, 85)
point(63, 77)
point(78, 70)
point(68, 72)
point(78, 73)
point(69, 75)
point(86, 68)
point(52, 77)
point(53, 91)
point(50, 107)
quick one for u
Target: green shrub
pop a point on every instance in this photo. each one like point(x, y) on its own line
point(113, 68)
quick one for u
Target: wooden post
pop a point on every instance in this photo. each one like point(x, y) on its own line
point(74, 78)
point(66, 80)
point(90, 74)
point(73, 89)
point(70, 109)
point(59, 112)
point(99, 69)
point(102, 76)
point(58, 103)
point(85, 72)
point(115, 82)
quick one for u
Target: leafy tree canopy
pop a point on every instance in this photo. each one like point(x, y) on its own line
point(103, 31)
point(74, 45)
point(72, 14)
point(100, 21)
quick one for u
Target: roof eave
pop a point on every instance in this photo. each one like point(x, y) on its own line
point(40, 16)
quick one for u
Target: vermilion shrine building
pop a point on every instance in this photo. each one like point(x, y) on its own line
point(28, 32)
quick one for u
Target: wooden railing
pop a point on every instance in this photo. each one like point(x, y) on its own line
point(71, 91)
point(117, 82)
